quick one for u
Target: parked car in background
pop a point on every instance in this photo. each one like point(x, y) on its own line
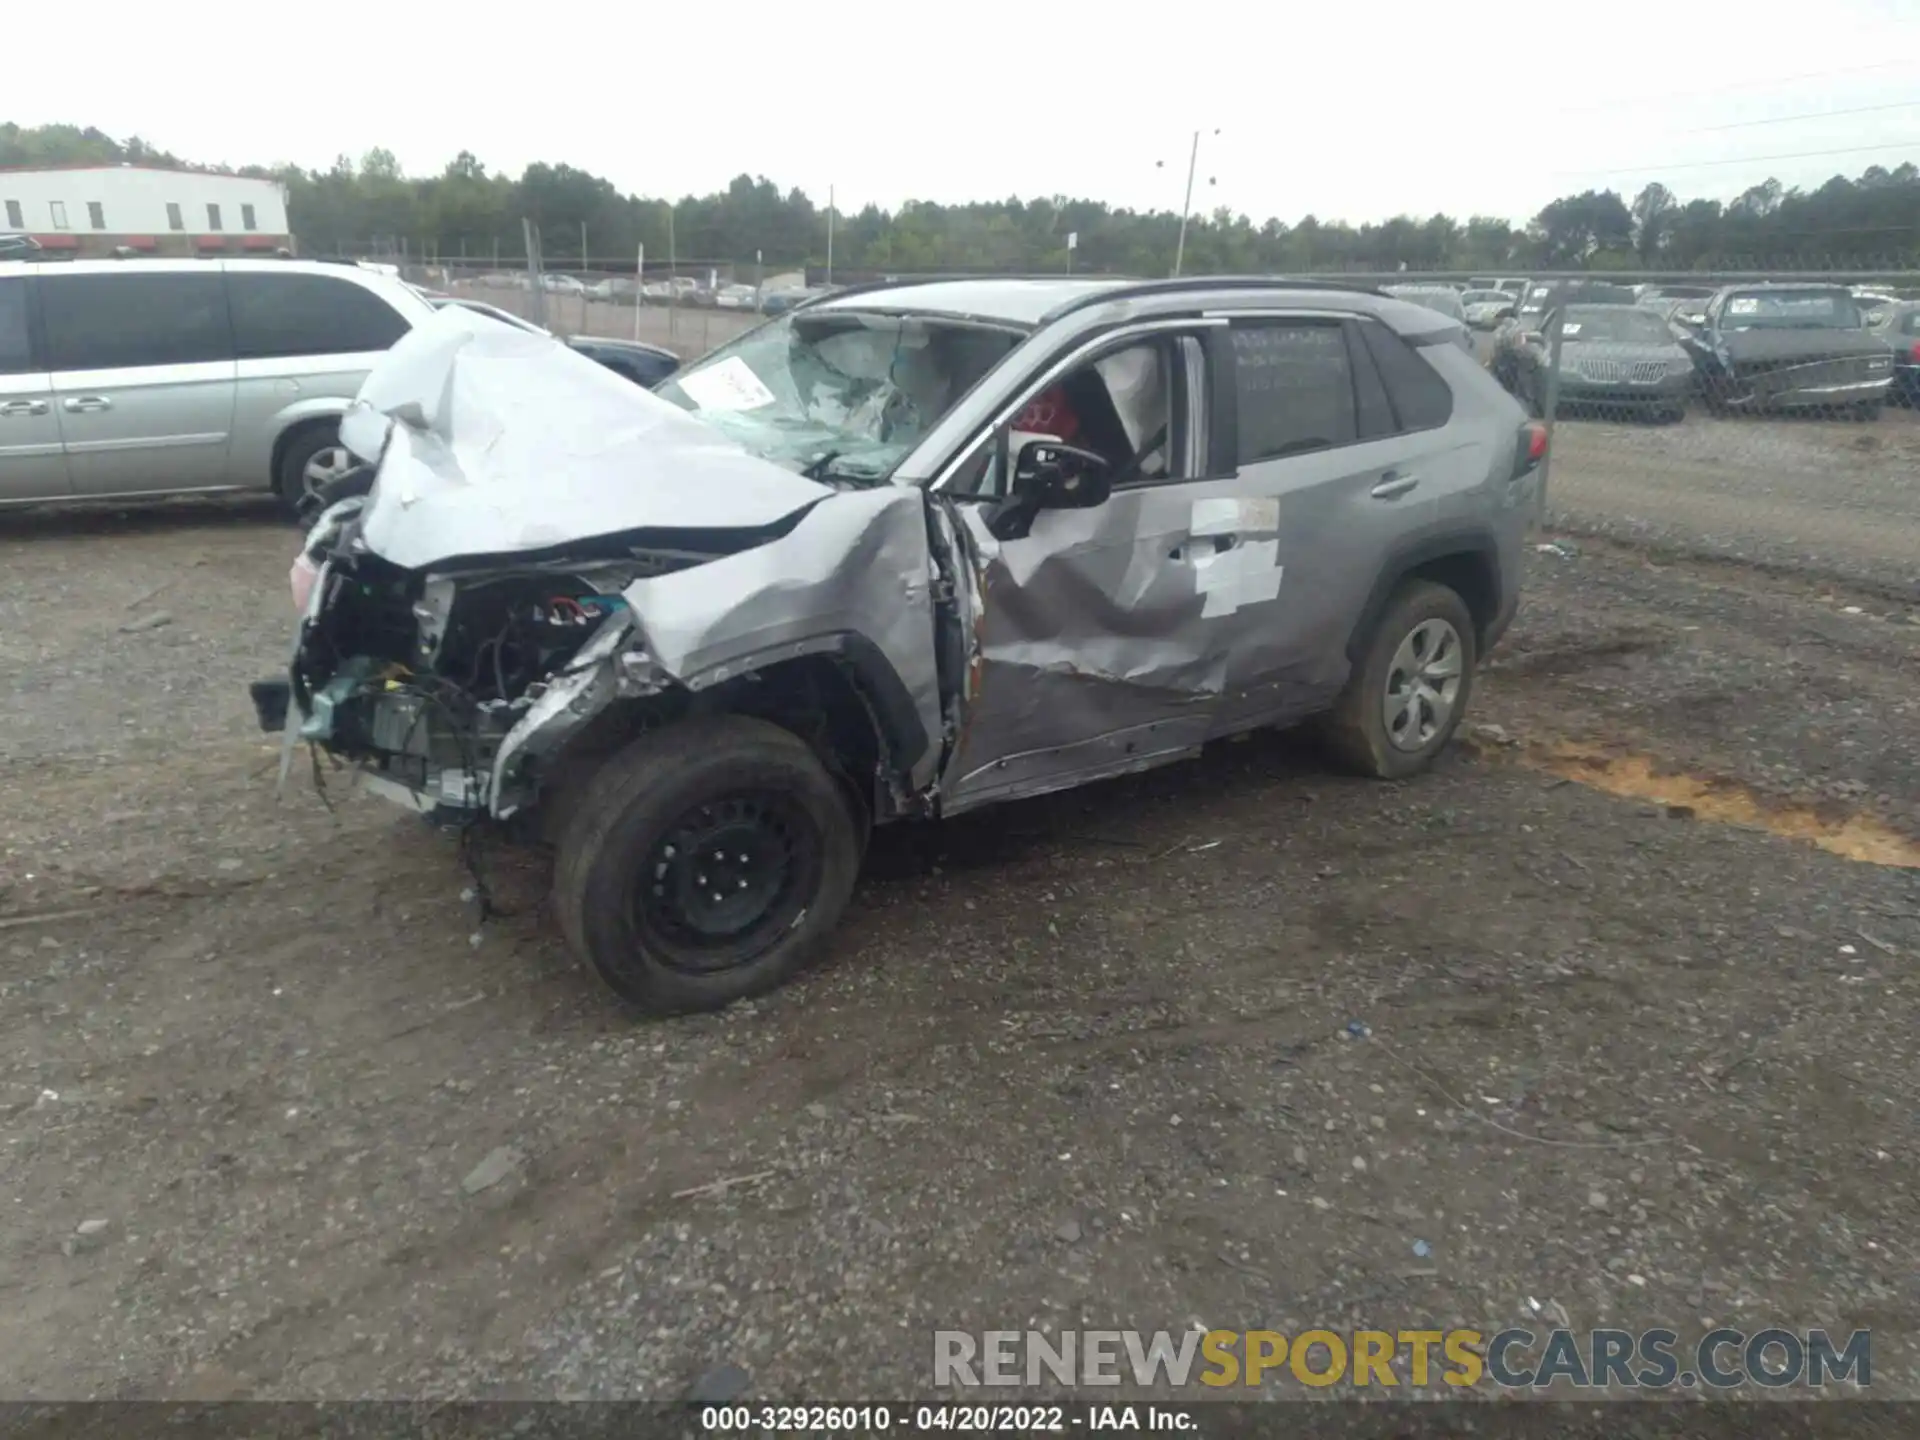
point(1873, 303)
point(1615, 358)
point(619, 290)
point(735, 297)
point(562, 285)
point(641, 363)
point(139, 378)
point(778, 302)
point(14, 246)
point(1529, 315)
point(1662, 298)
point(1487, 308)
point(1899, 326)
point(1442, 299)
point(907, 552)
point(1513, 285)
point(1794, 346)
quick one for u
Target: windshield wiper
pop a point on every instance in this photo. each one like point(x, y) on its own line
point(819, 467)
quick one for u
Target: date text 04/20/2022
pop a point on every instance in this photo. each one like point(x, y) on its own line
point(946, 1417)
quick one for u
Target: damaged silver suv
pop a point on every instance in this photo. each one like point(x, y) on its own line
point(903, 551)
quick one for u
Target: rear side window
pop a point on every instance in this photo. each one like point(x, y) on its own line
point(16, 353)
point(1294, 388)
point(114, 322)
point(1421, 399)
point(278, 315)
point(1911, 325)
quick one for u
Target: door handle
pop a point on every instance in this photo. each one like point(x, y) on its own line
point(24, 407)
point(1393, 485)
point(81, 403)
point(1194, 547)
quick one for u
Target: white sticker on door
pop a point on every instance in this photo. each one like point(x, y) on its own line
point(1234, 516)
point(1247, 574)
point(730, 385)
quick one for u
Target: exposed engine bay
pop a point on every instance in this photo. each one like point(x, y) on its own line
point(544, 562)
point(420, 677)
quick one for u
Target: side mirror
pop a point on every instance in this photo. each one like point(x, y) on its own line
point(1692, 318)
point(1048, 475)
point(1051, 476)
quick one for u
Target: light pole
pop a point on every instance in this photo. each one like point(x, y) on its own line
point(1186, 205)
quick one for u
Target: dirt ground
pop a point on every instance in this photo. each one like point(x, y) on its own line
point(1084, 1061)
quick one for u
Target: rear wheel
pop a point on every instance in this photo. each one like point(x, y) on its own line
point(707, 863)
point(1410, 688)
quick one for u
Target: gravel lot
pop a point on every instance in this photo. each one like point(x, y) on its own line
point(1636, 965)
point(1079, 1061)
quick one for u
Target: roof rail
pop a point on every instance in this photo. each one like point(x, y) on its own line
point(902, 282)
point(1175, 285)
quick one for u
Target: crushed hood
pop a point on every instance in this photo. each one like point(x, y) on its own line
point(500, 441)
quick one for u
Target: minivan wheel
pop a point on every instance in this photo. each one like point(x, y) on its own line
point(1410, 688)
point(708, 862)
point(313, 460)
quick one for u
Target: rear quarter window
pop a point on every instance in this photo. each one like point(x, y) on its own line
point(1421, 399)
point(294, 314)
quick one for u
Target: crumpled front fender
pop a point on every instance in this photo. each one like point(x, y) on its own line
point(587, 686)
point(851, 580)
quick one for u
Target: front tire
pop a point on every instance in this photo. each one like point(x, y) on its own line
point(1410, 688)
point(707, 863)
point(313, 460)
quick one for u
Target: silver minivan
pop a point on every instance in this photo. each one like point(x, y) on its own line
point(139, 378)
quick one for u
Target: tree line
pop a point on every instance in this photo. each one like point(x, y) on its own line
point(467, 211)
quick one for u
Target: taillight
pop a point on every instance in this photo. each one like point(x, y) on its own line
point(1916, 352)
point(1532, 448)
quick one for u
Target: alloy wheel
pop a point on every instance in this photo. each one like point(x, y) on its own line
point(1423, 685)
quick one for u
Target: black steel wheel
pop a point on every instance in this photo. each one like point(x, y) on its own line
point(725, 876)
point(706, 863)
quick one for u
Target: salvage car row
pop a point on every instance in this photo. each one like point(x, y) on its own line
point(1738, 349)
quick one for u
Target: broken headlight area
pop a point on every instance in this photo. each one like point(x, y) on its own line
point(420, 679)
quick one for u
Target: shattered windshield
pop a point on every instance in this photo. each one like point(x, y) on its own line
point(1616, 323)
point(1792, 310)
point(839, 394)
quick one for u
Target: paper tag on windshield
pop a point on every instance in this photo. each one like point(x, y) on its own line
point(1743, 307)
point(1573, 329)
point(730, 385)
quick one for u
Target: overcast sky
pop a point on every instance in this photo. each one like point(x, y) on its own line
point(1344, 110)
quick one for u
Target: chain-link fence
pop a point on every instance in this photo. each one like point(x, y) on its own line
point(689, 307)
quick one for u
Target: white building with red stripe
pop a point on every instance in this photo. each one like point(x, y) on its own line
point(96, 209)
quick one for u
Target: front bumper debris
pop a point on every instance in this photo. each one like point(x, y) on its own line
point(271, 700)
